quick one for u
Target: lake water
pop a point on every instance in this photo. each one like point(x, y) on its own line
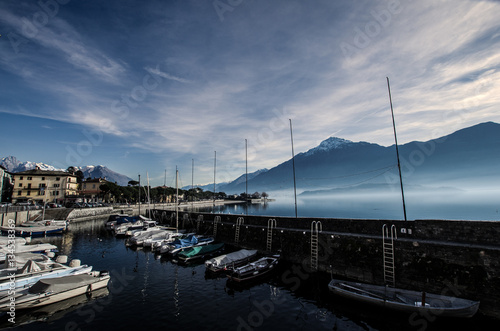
point(452, 206)
point(151, 293)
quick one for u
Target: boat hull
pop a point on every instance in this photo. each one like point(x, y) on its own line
point(406, 301)
point(253, 270)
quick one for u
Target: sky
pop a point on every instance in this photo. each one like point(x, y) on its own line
point(145, 87)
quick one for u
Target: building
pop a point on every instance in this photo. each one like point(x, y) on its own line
point(38, 186)
point(91, 191)
point(6, 185)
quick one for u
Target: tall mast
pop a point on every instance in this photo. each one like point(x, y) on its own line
point(397, 150)
point(139, 194)
point(293, 167)
point(246, 170)
point(176, 199)
point(215, 167)
point(192, 184)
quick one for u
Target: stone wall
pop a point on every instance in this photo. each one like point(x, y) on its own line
point(457, 258)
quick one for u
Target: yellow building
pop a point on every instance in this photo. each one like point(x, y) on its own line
point(90, 189)
point(40, 185)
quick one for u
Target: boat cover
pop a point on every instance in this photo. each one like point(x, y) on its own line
point(188, 241)
point(61, 284)
point(198, 250)
point(226, 259)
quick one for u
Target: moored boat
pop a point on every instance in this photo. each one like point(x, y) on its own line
point(230, 260)
point(50, 290)
point(253, 270)
point(404, 300)
point(32, 231)
point(199, 252)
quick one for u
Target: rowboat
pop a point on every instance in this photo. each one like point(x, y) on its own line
point(231, 260)
point(253, 270)
point(407, 301)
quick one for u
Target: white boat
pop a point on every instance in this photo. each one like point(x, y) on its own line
point(230, 260)
point(50, 290)
point(178, 245)
point(61, 223)
point(5, 241)
point(157, 244)
point(19, 249)
point(34, 270)
point(138, 238)
point(405, 300)
point(31, 231)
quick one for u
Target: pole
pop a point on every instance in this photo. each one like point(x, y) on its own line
point(215, 167)
point(192, 184)
point(246, 176)
point(397, 150)
point(293, 167)
point(176, 199)
point(139, 194)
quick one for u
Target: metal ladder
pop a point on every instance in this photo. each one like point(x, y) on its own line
point(388, 252)
point(316, 228)
point(271, 224)
point(198, 222)
point(239, 222)
point(216, 221)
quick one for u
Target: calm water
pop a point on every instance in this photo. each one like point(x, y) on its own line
point(150, 293)
point(454, 206)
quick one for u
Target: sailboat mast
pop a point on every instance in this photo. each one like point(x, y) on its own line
point(293, 167)
point(215, 167)
point(139, 194)
point(397, 150)
point(192, 184)
point(149, 200)
point(176, 198)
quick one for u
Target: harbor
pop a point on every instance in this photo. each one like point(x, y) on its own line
point(295, 296)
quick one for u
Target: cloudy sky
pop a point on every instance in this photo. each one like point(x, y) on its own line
point(145, 86)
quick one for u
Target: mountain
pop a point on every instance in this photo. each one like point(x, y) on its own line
point(229, 186)
point(466, 158)
point(12, 164)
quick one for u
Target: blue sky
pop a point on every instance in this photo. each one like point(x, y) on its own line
point(144, 86)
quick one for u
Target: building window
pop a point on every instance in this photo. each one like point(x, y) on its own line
point(69, 180)
point(58, 178)
point(21, 178)
point(29, 192)
point(93, 186)
point(57, 185)
point(29, 178)
point(19, 192)
point(20, 184)
point(56, 192)
point(43, 178)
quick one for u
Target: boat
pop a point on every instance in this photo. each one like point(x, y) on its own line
point(32, 231)
point(168, 236)
point(18, 249)
point(199, 252)
point(138, 238)
point(147, 225)
point(405, 300)
point(113, 220)
point(6, 241)
point(253, 270)
point(231, 260)
point(62, 223)
point(179, 245)
point(50, 290)
point(35, 269)
point(162, 245)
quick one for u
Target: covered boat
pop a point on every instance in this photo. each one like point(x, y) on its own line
point(253, 270)
point(179, 245)
point(231, 260)
point(51, 290)
point(35, 269)
point(199, 252)
point(405, 300)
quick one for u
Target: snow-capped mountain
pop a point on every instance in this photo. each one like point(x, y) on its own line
point(329, 144)
point(12, 164)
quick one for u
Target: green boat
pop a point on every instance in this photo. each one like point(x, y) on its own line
point(199, 252)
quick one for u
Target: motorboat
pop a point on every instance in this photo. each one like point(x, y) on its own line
point(167, 236)
point(402, 300)
point(199, 252)
point(18, 249)
point(34, 270)
point(253, 270)
point(162, 245)
point(32, 231)
point(230, 260)
point(178, 245)
point(138, 238)
point(50, 290)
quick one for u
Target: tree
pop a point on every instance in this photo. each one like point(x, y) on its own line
point(133, 183)
point(71, 170)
